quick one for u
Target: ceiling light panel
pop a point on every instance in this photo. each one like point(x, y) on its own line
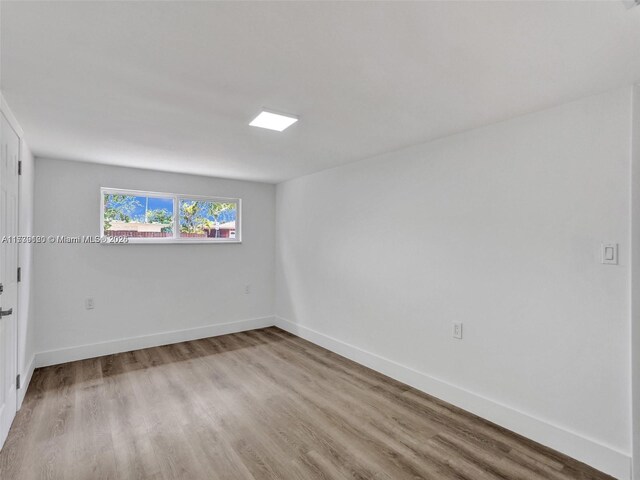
point(273, 121)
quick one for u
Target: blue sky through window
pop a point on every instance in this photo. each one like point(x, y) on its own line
point(154, 203)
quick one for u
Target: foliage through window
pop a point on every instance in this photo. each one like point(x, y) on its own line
point(167, 217)
point(207, 219)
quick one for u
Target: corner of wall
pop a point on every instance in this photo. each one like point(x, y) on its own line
point(635, 281)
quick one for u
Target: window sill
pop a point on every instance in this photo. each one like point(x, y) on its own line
point(171, 241)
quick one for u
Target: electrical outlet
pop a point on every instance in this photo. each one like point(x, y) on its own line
point(88, 303)
point(457, 330)
point(247, 289)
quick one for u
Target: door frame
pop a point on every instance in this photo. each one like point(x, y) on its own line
point(13, 123)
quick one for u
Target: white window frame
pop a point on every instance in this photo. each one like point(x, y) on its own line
point(177, 197)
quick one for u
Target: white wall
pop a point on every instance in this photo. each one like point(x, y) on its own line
point(143, 290)
point(499, 228)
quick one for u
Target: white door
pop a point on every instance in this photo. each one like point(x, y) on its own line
point(10, 145)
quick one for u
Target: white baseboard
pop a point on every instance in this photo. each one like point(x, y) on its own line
point(591, 452)
point(81, 352)
point(26, 380)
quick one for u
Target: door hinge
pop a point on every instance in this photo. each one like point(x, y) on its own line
point(19, 274)
point(18, 382)
point(20, 167)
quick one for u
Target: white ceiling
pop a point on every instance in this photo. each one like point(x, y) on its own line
point(173, 85)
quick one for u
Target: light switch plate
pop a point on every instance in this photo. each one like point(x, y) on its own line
point(457, 330)
point(609, 253)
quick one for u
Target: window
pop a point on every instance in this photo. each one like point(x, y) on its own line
point(149, 217)
point(205, 218)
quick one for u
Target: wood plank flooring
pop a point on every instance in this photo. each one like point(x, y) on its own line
point(262, 404)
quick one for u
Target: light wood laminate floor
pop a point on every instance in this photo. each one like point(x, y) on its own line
point(256, 405)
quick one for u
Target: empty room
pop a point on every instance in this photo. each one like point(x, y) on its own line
point(320, 240)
